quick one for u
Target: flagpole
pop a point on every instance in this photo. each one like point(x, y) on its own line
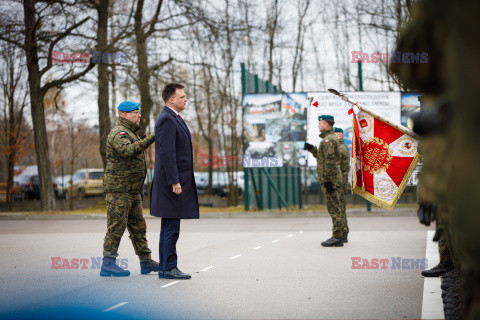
point(366, 109)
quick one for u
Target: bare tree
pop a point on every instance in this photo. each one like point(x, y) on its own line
point(272, 28)
point(302, 7)
point(15, 93)
point(36, 33)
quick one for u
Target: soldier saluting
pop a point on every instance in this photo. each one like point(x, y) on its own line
point(329, 176)
point(125, 173)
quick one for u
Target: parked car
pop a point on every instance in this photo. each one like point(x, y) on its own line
point(63, 183)
point(28, 185)
point(201, 180)
point(86, 182)
point(221, 183)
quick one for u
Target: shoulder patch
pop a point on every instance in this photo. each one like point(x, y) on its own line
point(122, 132)
point(326, 141)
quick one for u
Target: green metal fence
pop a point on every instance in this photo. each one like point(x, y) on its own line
point(251, 83)
point(272, 188)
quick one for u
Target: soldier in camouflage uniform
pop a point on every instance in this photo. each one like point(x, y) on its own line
point(344, 167)
point(446, 29)
point(123, 184)
point(433, 148)
point(329, 176)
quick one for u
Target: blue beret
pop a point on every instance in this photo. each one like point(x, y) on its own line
point(338, 130)
point(128, 106)
point(325, 117)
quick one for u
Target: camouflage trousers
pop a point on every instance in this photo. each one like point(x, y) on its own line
point(124, 211)
point(343, 203)
point(444, 244)
point(334, 208)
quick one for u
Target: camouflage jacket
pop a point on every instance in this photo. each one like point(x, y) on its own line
point(344, 160)
point(328, 159)
point(126, 167)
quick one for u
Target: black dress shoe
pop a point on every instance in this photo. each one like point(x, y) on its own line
point(436, 271)
point(333, 242)
point(161, 274)
point(175, 273)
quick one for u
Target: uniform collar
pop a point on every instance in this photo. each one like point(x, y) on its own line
point(326, 133)
point(128, 124)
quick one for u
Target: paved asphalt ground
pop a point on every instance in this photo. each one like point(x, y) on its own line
point(242, 268)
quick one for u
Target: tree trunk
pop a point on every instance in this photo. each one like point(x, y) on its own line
point(210, 167)
point(103, 78)
point(11, 132)
point(72, 164)
point(143, 70)
point(10, 173)
point(47, 196)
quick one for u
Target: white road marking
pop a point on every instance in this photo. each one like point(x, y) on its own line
point(274, 241)
point(432, 304)
point(290, 235)
point(235, 257)
point(256, 248)
point(207, 268)
point(115, 306)
point(169, 284)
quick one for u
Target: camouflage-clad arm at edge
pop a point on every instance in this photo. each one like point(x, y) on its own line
point(314, 151)
point(128, 149)
point(331, 156)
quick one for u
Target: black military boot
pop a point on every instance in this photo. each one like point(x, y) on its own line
point(333, 242)
point(148, 266)
point(110, 269)
point(345, 238)
point(436, 271)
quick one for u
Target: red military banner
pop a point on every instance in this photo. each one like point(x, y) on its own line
point(384, 155)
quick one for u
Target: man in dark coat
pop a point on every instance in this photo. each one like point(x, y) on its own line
point(174, 193)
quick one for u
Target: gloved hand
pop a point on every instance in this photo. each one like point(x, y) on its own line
point(426, 213)
point(329, 186)
point(307, 146)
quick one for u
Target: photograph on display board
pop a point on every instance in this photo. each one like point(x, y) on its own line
point(254, 129)
point(256, 104)
point(289, 153)
point(275, 125)
point(286, 129)
point(410, 103)
point(293, 105)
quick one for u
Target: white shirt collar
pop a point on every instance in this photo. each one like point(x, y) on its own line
point(173, 110)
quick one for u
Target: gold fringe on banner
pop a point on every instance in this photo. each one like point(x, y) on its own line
point(367, 195)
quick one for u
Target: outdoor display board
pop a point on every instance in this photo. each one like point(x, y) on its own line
point(276, 125)
point(386, 104)
point(274, 129)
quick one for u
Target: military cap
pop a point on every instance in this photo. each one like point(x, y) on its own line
point(325, 117)
point(338, 130)
point(128, 106)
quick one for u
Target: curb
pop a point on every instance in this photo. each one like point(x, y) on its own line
point(220, 215)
